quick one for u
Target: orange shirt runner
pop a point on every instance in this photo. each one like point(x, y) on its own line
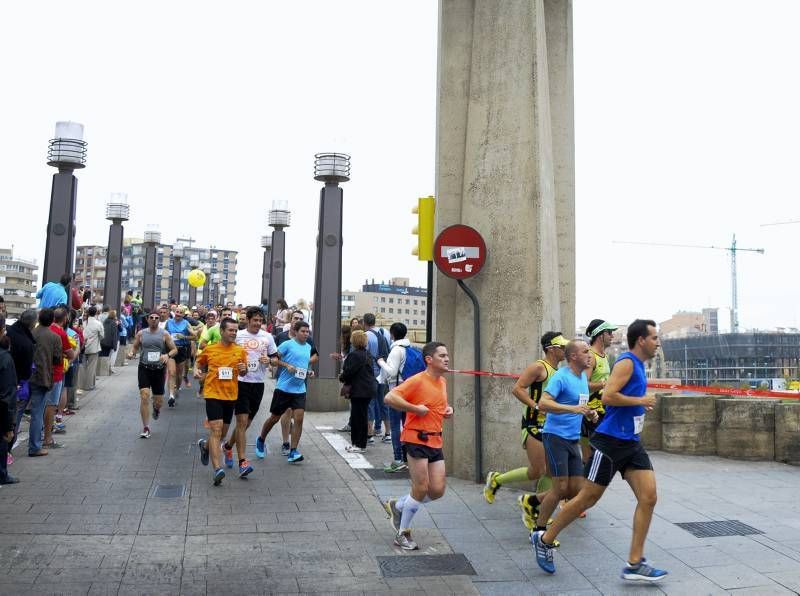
point(423, 389)
point(222, 380)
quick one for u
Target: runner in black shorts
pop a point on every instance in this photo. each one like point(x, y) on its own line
point(282, 401)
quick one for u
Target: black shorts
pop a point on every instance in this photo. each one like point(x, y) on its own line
point(611, 455)
point(282, 401)
point(250, 395)
point(220, 409)
point(418, 451)
point(534, 432)
point(151, 378)
point(563, 456)
point(588, 427)
point(183, 354)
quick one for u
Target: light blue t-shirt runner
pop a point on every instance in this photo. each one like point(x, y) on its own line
point(568, 389)
point(298, 355)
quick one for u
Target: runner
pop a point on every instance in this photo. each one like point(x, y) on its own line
point(617, 449)
point(157, 348)
point(528, 389)
point(209, 337)
point(423, 398)
point(294, 358)
point(178, 327)
point(600, 334)
point(260, 347)
point(221, 392)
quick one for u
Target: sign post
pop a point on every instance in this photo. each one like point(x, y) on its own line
point(460, 253)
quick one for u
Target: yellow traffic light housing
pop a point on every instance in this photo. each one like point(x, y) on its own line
point(425, 211)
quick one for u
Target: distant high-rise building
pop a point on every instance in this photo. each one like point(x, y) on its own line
point(90, 270)
point(17, 282)
point(393, 302)
point(685, 323)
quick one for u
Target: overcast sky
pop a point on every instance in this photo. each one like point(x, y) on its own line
point(686, 117)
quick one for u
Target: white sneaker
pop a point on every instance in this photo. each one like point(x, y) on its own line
point(403, 540)
point(354, 449)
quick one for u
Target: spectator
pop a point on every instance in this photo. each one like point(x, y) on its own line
point(357, 372)
point(68, 353)
point(2, 306)
point(47, 354)
point(110, 341)
point(93, 334)
point(54, 294)
point(22, 348)
point(8, 403)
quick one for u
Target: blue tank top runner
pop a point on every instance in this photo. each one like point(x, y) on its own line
point(626, 422)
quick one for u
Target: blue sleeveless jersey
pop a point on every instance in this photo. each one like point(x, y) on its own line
point(620, 421)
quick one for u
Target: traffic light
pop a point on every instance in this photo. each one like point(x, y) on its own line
point(425, 210)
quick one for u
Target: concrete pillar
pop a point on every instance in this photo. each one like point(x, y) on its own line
point(505, 167)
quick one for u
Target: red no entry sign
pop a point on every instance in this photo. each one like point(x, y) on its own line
point(459, 252)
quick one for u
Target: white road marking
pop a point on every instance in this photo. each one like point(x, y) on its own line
point(354, 460)
point(324, 427)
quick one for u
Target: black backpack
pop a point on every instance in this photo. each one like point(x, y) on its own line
point(383, 345)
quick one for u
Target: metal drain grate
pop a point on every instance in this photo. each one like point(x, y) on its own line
point(379, 474)
point(169, 491)
point(424, 565)
point(712, 529)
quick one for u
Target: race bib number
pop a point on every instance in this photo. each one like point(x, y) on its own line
point(638, 424)
point(153, 357)
point(252, 365)
point(175, 335)
point(583, 399)
point(225, 373)
point(300, 373)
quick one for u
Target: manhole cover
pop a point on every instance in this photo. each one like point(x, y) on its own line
point(169, 491)
point(729, 527)
point(422, 565)
point(379, 474)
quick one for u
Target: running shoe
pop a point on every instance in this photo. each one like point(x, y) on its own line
point(544, 552)
point(228, 455)
point(171, 401)
point(261, 448)
point(145, 434)
point(59, 426)
point(219, 474)
point(490, 489)
point(294, 456)
point(403, 540)
point(354, 449)
point(59, 430)
point(394, 514)
point(156, 413)
point(371, 440)
point(245, 468)
point(285, 449)
point(386, 439)
point(201, 444)
point(529, 514)
point(395, 466)
point(642, 572)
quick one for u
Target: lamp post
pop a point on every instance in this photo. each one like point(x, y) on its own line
point(152, 238)
point(278, 218)
point(215, 292)
point(266, 244)
point(193, 261)
point(117, 211)
point(67, 152)
point(175, 280)
point(330, 168)
point(207, 291)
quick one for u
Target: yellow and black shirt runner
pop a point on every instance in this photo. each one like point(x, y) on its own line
point(533, 419)
point(601, 372)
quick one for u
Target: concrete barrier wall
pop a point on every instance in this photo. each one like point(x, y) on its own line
point(688, 425)
point(787, 433)
point(651, 435)
point(746, 428)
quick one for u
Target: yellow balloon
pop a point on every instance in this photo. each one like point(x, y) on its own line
point(196, 278)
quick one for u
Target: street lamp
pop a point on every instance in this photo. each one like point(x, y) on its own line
point(152, 238)
point(117, 211)
point(175, 280)
point(266, 244)
point(330, 168)
point(278, 218)
point(67, 152)
point(215, 278)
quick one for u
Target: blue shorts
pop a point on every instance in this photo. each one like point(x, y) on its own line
point(563, 456)
point(52, 397)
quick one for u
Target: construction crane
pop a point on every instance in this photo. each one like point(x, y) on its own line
point(733, 249)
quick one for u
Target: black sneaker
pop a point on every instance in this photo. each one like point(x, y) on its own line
point(171, 402)
point(156, 413)
point(201, 444)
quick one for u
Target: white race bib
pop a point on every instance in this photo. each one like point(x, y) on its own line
point(225, 373)
point(300, 373)
point(175, 335)
point(153, 357)
point(252, 365)
point(583, 399)
point(638, 424)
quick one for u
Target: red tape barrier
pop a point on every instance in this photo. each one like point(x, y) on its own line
point(693, 388)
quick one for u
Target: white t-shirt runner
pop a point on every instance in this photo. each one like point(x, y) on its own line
point(256, 345)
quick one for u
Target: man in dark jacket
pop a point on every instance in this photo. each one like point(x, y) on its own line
point(8, 403)
point(23, 344)
point(46, 356)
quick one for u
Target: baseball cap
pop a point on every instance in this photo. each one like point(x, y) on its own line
point(603, 326)
point(557, 342)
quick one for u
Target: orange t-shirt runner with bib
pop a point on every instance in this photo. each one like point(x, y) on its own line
point(222, 384)
point(423, 389)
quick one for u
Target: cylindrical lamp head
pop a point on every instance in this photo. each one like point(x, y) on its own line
point(279, 216)
point(332, 167)
point(266, 241)
point(67, 149)
point(153, 236)
point(117, 207)
point(177, 252)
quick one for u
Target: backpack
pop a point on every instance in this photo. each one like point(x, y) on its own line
point(414, 363)
point(383, 345)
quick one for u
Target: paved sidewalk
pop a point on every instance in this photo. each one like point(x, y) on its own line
point(85, 520)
